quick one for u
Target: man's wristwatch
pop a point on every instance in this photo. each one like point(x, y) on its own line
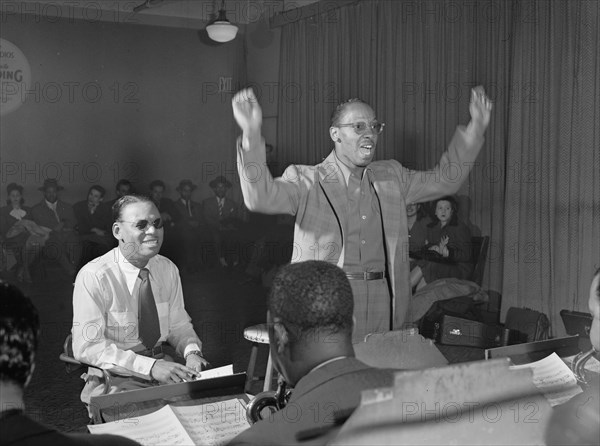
point(193, 352)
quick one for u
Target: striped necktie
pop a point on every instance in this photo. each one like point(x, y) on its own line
point(149, 327)
point(221, 202)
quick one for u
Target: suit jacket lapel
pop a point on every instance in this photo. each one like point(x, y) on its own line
point(333, 184)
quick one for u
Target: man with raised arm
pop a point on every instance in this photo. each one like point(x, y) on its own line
point(351, 210)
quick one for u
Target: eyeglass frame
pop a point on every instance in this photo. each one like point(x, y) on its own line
point(159, 225)
point(370, 125)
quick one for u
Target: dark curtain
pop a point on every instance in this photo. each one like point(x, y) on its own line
point(415, 63)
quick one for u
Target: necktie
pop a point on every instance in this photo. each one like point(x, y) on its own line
point(189, 208)
point(149, 327)
point(53, 208)
point(221, 203)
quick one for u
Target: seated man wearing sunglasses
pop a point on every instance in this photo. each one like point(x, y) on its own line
point(351, 210)
point(129, 301)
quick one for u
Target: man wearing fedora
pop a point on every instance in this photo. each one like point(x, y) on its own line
point(189, 224)
point(58, 216)
point(222, 217)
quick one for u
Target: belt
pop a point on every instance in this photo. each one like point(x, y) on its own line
point(366, 275)
point(152, 352)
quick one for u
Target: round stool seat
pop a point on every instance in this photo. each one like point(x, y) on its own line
point(257, 333)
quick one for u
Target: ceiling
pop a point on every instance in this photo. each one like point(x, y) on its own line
point(177, 13)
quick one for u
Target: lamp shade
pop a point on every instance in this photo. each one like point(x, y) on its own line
point(222, 31)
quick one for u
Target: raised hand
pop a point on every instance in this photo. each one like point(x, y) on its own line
point(247, 111)
point(480, 109)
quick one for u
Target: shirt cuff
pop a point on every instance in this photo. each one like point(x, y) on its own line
point(143, 365)
point(191, 348)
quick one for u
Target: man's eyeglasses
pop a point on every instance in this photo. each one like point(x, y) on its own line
point(361, 127)
point(143, 225)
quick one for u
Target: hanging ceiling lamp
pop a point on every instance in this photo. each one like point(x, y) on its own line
point(220, 29)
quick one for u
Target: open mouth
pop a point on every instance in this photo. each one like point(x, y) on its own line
point(367, 148)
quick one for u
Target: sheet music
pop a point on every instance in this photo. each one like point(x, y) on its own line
point(158, 428)
point(216, 373)
point(213, 423)
point(554, 378)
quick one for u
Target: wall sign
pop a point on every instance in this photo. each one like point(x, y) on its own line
point(15, 77)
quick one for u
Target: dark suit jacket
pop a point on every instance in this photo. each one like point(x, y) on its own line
point(210, 210)
point(20, 430)
point(43, 216)
point(167, 205)
point(317, 396)
point(100, 219)
point(183, 215)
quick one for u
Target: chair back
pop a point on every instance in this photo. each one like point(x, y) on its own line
point(71, 364)
point(479, 250)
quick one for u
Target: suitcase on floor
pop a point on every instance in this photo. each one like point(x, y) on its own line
point(451, 330)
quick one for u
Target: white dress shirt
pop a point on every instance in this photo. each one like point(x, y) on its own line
point(106, 307)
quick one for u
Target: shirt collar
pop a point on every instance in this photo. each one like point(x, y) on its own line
point(131, 272)
point(51, 205)
point(323, 364)
point(346, 170)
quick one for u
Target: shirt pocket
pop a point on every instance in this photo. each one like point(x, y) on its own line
point(122, 327)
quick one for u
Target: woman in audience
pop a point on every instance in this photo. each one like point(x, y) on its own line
point(20, 233)
point(447, 247)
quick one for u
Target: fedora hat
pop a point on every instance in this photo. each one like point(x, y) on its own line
point(50, 182)
point(184, 183)
point(220, 180)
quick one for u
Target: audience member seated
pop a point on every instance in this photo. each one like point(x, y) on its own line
point(123, 187)
point(447, 248)
point(59, 218)
point(222, 215)
point(169, 217)
point(577, 422)
point(20, 234)
point(19, 334)
point(133, 298)
point(310, 309)
point(189, 225)
point(93, 224)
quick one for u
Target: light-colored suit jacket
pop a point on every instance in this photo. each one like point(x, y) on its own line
point(317, 196)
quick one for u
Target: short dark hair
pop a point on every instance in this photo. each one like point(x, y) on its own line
point(336, 115)
point(19, 333)
point(312, 296)
point(125, 200)
point(123, 182)
point(98, 188)
point(157, 183)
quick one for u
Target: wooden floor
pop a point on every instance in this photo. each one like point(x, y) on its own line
point(220, 307)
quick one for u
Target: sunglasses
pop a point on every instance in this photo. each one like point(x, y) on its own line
point(143, 225)
point(361, 127)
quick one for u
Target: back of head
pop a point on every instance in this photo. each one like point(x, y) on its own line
point(312, 297)
point(19, 331)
